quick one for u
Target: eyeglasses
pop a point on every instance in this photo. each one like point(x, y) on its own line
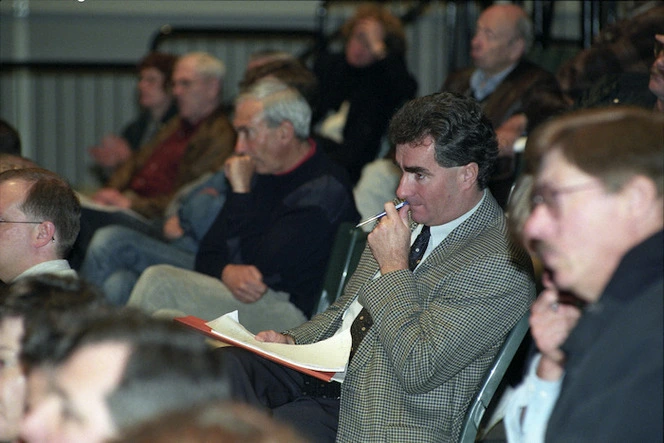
point(658, 49)
point(550, 197)
point(22, 222)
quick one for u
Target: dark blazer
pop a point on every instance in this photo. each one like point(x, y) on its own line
point(435, 332)
point(613, 386)
point(528, 89)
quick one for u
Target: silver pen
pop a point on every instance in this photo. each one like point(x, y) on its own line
point(382, 214)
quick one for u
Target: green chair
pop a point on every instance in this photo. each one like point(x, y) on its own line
point(346, 250)
point(494, 376)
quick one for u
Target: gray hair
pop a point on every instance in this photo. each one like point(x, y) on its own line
point(280, 103)
point(208, 65)
point(524, 30)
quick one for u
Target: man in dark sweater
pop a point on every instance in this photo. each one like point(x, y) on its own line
point(266, 253)
point(596, 223)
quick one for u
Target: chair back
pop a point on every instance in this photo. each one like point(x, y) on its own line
point(492, 379)
point(346, 250)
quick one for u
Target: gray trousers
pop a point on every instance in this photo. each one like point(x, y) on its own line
point(167, 291)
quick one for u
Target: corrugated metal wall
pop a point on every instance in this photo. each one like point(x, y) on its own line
point(65, 111)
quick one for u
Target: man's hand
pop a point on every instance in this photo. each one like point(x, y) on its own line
point(172, 229)
point(239, 170)
point(390, 240)
point(244, 281)
point(274, 337)
point(509, 132)
point(111, 197)
point(550, 325)
point(111, 152)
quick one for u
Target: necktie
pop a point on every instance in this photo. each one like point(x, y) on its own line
point(363, 321)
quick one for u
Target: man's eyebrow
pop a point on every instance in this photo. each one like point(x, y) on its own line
point(416, 170)
point(241, 128)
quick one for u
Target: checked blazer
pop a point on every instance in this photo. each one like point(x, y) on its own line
point(435, 332)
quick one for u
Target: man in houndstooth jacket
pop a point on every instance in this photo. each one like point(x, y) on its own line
point(436, 329)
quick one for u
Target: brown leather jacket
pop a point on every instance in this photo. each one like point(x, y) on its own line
point(523, 90)
point(207, 151)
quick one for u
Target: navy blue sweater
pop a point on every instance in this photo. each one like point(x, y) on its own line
point(285, 227)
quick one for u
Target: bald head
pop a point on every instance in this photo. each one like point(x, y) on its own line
point(504, 34)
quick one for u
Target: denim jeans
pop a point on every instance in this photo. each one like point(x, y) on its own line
point(117, 256)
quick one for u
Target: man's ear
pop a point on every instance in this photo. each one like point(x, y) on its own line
point(213, 87)
point(44, 234)
point(641, 196)
point(286, 131)
point(468, 175)
point(517, 49)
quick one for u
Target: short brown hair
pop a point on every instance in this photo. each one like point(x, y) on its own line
point(613, 144)
point(162, 62)
point(50, 197)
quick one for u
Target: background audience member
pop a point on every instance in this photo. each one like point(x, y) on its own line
point(462, 287)
point(264, 56)
point(619, 57)
point(290, 71)
point(505, 83)
point(656, 83)
point(197, 142)
point(11, 161)
point(596, 223)
point(266, 252)
point(628, 88)
point(157, 107)
point(362, 87)
point(39, 221)
point(115, 371)
point(377, 185)
point(117, 255)
point(24, 306)
point(10, 140)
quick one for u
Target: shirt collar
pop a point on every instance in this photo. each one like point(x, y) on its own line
point(440, 232)
point(483, 85)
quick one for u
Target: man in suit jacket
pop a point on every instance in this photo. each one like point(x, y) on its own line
point(436, 329)
point(515, 94)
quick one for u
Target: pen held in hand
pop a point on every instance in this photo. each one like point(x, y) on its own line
point(382, 214)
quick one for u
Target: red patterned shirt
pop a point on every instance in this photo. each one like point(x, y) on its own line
point(159, 173)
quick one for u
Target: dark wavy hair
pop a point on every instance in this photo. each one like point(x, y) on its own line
point(460, 130)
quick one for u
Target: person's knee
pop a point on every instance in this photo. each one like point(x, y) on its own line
point(109, 236)
point(155, 274)
point(112, 244)
point(148, 284)
point(118, 286)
